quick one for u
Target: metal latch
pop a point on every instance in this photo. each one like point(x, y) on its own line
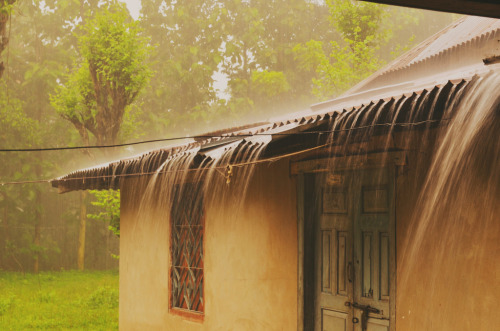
point(364, 315)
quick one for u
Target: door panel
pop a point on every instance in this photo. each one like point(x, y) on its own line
point(354, 250)
point(342, 263)
point(377, 325)
point(332, 320)
point(334, 258)
point(384, 266)
point(326, 270)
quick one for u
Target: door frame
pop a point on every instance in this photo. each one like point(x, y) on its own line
point(304, 171)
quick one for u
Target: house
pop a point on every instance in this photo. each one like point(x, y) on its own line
point(378, 210)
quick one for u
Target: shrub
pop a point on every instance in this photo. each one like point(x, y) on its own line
point(103, 297)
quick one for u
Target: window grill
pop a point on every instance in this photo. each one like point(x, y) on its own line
point(187, 231)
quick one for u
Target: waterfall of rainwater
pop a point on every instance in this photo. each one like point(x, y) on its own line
point(448, 228)
point(229, 173)
point(457, 218)
point(159, 189)
point(223, 175)
point(403, 123)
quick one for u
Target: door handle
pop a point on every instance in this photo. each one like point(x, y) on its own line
point(350, 272)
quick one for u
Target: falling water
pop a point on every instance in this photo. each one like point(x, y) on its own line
point(222, 173)
point(221, 170)
point(448, 215)
point(457, 218)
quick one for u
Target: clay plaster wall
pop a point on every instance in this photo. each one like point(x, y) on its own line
point(452, 282)
point(250, 260)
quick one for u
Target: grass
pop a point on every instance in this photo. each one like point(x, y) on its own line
point(66, 300)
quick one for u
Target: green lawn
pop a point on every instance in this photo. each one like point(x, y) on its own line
point(66, 300)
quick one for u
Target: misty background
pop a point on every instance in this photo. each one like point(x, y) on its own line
point(207, 65)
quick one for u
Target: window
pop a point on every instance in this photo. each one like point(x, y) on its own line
point(187, 231)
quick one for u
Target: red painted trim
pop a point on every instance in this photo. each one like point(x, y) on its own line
point(187, 314)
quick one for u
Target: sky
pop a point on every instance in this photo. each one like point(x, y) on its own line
point(134, 7)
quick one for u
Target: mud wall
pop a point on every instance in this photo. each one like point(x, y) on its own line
point(447, 270)
point(250, 260)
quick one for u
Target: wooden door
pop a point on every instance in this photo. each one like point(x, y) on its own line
point(354, 250)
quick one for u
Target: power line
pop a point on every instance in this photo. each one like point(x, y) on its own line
point(209, 136)
point(217, 168)
point(140, 174)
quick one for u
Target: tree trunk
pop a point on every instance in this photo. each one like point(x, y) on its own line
point(4, 39)
point(38, 167)
point(83, 227)
point(5, 236)
point(38, 212)
point(36, 239)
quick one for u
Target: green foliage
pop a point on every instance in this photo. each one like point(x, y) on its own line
point(115, 52)
point(5, 304)
point(108, 76)
point(188, 36)
point(68, 300)
point(6, 6)
point(358, 21)
point(46, 297)
point(103, 297)
point(5, 11)
point(75, 100)
point(350, 60)
point(270, 83)
point(18, 129)
point(261, 38)
point(371, 34)
point(108, 202)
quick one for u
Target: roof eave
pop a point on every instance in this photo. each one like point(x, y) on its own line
point(467, 7)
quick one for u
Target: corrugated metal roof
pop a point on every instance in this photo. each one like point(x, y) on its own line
point(463, 31)
point(398, 85)
point(108, 176)
point(466, 42)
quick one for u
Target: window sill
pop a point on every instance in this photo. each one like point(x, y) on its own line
point(189, 315)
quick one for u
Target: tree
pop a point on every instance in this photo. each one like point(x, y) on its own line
point(371, 34)
point(109, 209)
point(5, 9)
point(108, 76)
point(188, 35)
point(258, 57)
point(37, 51)
point(351, 59)
point(17, 130)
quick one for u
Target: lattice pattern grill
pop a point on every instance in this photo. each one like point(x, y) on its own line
point(187, 248)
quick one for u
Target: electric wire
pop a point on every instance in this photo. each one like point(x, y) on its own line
point(217, 168)
point(149, 173)
point(210, 136)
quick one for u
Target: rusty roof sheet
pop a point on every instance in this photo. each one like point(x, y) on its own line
point(465, 42)
point(108, 176)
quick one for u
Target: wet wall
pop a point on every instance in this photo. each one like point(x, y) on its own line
point(250, 259)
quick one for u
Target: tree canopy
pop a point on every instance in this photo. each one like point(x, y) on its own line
point(108, 75)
